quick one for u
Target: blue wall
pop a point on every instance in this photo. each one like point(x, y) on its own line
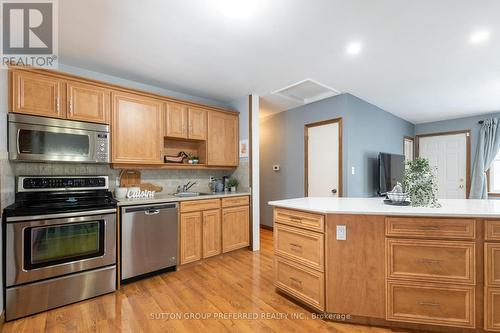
point(456, 125)
point(367, 130)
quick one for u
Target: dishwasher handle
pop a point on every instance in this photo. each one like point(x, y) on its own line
point(150, 209)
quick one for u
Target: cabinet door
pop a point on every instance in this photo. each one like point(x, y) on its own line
point(176, 116)
point(197, 128)
point(88, 103)
point(190, 237)
point(492, 309)
point(223, 139)
point(235, 228)
point(37, 95)
point(211, 233)
point(136, 129)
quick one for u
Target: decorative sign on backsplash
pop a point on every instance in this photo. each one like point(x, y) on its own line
point(138, 194)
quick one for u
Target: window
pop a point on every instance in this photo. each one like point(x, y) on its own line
point(494, 175)
point(408, 144)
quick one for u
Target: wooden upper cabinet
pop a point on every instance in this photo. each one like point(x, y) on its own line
point(88, 102)
point(136, 129)
point(197, 120)
point(176, 120)
point(223, 139)
point(37, 95)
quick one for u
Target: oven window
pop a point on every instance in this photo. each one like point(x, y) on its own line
point(57, 244)
point(51, 143)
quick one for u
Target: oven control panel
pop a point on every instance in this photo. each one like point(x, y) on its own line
point(61, 183)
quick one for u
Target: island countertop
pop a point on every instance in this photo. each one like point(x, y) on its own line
point(376, 206)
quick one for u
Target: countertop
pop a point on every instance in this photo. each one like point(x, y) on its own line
point(161, 198)
point(376, 206)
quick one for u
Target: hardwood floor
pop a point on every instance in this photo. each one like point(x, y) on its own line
point(234, 284)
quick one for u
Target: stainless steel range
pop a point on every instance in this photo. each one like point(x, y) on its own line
point(59, 243)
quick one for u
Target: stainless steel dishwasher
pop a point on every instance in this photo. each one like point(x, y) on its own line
point(148, 239)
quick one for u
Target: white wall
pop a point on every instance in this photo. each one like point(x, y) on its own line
point(242, 173)
point(6, 173)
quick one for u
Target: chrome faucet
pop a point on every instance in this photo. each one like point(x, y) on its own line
point(186, 186)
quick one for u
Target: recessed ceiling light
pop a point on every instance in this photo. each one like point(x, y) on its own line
point(479, 36)
point(354, 48)
point(238, 8)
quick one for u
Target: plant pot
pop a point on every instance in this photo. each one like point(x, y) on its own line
point(233, 189)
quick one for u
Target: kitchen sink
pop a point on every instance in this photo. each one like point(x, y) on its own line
point(190, 194)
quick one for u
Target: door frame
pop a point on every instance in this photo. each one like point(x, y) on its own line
point(306, 153)
point(467, 133)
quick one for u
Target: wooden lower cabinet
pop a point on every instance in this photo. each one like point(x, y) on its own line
point(436, 304)
point(492, 309)
point(211, 233)
point(408, 272)
point(431, 260)
point(307, 285)
point(190, 248)
point(235, 228)
point(206, 230)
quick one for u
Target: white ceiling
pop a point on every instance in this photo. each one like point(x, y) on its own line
point(416, 62)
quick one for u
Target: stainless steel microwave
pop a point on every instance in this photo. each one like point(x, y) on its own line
point(40, 139)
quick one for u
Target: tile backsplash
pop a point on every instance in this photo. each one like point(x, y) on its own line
point(168, 179)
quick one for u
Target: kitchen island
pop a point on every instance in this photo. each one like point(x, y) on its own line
point(357, 259)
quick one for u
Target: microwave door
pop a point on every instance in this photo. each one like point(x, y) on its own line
point(44, 143)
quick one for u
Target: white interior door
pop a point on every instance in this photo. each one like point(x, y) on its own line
point(323, 160)
point(448, 153)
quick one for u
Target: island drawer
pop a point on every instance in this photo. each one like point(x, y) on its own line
point(418, 227)
point(432, 261)
point(199, 205)
point(236, 201)
point(431, 304)
point(492, 230)
point(302, 246)
point(300, 219)
point(306, 285)
point(492, 264)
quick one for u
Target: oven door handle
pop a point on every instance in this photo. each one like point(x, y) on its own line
point(62, 218)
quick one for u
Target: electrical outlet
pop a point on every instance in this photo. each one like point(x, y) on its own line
point(117, 181)
point(353, 170)
point(341, 232)
point(211, 179)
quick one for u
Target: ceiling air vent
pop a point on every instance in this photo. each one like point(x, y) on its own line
point(306, 91)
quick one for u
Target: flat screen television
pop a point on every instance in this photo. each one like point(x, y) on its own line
point(391, 171)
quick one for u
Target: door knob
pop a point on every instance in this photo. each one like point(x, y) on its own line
point(334, 191)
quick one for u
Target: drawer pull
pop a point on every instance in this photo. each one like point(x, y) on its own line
point(296, 283)
point(429, 261)
point(296, 219)
point(430, 227)
point(296, 247)
point(433, 304)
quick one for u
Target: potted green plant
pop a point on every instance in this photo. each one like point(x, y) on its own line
point(232, 183)
point(193, 159)
point(421, 184)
